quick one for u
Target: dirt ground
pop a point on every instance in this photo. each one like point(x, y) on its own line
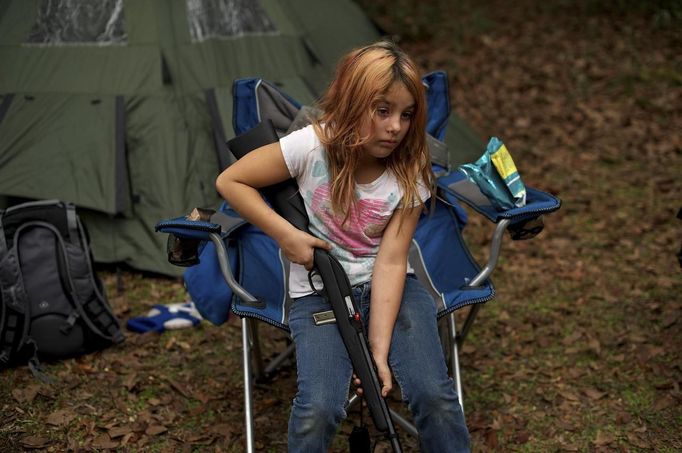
point(580, 350)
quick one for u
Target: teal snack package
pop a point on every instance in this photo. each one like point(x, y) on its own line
point(497, 177)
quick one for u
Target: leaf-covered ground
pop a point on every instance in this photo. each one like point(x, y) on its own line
point(580, 351)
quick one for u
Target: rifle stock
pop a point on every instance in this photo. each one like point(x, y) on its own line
point(287, 202)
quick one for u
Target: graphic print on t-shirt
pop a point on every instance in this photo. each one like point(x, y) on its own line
point(361, 233)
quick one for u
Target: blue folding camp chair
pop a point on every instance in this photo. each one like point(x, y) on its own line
point(240, 269)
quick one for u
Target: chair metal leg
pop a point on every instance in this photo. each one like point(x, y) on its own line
point(275, 363)
point(468, 322)
point(248, 386)
point(454, 358)
point(221, 253)
point(396, 417)
point(404, 424)
point(256, 355)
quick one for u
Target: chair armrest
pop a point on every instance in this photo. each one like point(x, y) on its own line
point(456, 187)
point(188, 229)
point(215, 230)
point(223, 222)
point(226, 270)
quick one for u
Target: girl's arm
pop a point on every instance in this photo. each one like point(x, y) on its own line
point(388, 281)
point(239, 185)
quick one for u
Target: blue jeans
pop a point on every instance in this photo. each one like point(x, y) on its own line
point(415, 357)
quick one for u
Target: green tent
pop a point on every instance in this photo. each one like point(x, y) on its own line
point(123, 106)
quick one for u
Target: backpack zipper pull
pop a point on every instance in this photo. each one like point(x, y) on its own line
point(69, 323)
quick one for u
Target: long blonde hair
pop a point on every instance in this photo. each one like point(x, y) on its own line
point(362, 77)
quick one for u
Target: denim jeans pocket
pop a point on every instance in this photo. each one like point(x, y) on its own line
point(302, 308)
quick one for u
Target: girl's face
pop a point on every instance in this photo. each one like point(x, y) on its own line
point(390, 122)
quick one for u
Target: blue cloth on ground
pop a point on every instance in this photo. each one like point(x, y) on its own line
point(166, 317)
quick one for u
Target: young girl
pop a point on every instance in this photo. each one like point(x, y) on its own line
point(364, 172)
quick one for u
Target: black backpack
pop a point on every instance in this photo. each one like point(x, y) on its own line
point(52, 304)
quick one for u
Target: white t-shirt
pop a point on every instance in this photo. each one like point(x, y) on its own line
point(356, 243)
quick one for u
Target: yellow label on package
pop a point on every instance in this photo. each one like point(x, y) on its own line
point(503, 162)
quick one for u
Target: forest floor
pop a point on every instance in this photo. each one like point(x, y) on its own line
point(580, 350)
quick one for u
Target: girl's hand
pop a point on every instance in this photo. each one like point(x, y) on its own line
point(298, 247)
point(385, 378)
point(358, 385)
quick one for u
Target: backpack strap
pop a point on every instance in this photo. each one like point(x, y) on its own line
point(14, 319)
point(72, 224)
point(90, 300)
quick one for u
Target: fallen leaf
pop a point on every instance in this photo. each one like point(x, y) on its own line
point(200, 439)
point(670, 321)
point(622, 418)
point(26, 395)
point(126, 439)
point(104, 441)
point(142, 441)
point(593, 394)
point(130, 381)
point(35, 442)
point(468, 349)
point(636, 338)
point(491, 439)
point(60, 417)
point(170, 343)
point(654, 351)
point(575, 373)
point(109, 425)
point(85, 367)
point(568, 395)
point(119, 431)
point(664, 385)
point(154, 430)
point(139, 427)
point(200, 409)
point(521, 437)
point(497, 424)
point(664, 403)
point(144, 417)
point(221, 429)
point(569, 340)
point(637, 442)
point(603, 439)
point(565, 425)
point(595, 345)
point(640, 429)
point(569, 447)
point(180, 388)
point(84, 395)
point(72, 444)
point(201, 396)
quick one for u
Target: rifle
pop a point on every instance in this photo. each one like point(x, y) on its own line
point(287, 202)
